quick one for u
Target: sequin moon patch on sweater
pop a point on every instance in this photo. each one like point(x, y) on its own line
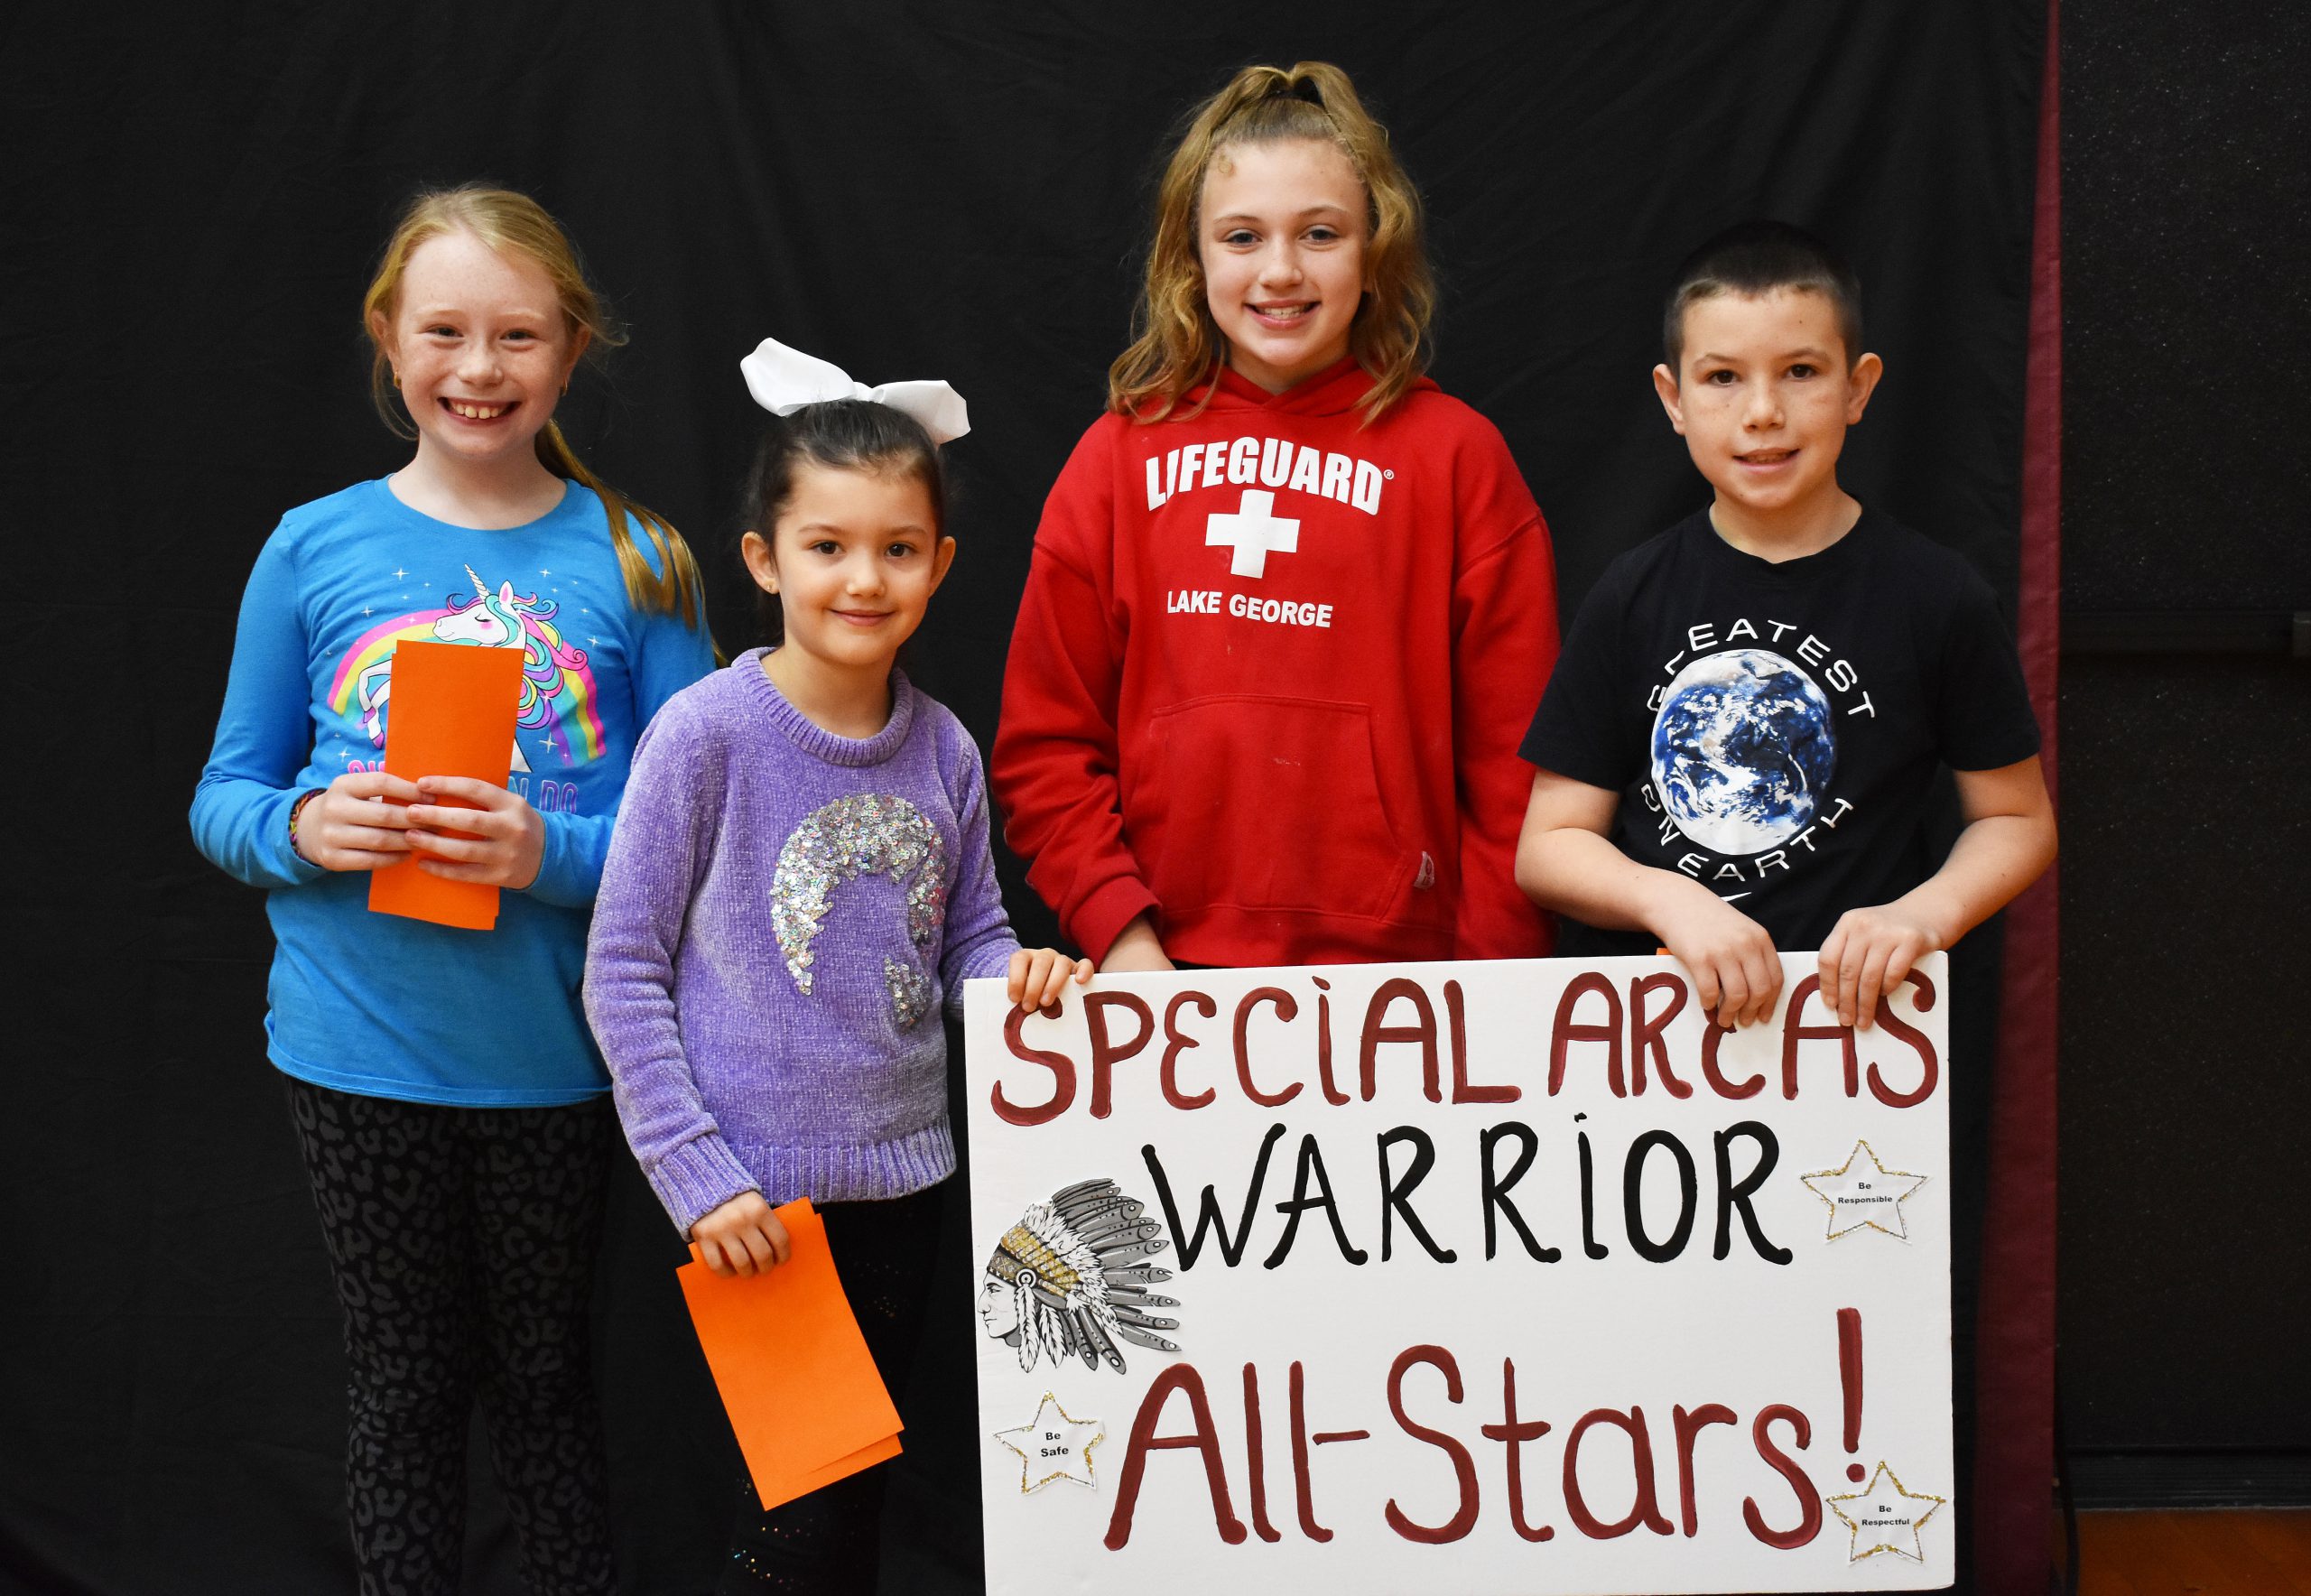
point(865, 834)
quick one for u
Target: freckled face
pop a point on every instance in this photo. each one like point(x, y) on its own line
point(1281, 236)
point(1765, 395)
point(480, 346)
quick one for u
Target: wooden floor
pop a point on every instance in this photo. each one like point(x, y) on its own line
point(2217, 1552)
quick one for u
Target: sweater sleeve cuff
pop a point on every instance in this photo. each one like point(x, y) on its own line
point(1105, 914)
point(699, 1177)
point(992, 957)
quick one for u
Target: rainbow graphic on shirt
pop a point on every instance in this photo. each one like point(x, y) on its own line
point(558, 693)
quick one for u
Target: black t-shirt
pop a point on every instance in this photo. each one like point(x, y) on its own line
point(1775, 730)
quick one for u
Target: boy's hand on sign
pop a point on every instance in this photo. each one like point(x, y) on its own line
point(743, 1237)
point(1869, 952)
point(357, 822)
point(1737, 973)
point(507, 843)
point(1039, 975)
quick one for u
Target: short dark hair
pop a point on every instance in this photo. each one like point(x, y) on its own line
point(844, 435)
point(1755, 258)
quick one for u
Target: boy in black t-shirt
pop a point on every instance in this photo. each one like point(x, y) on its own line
point(1738, 745)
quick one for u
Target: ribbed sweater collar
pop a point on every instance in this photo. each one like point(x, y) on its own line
point(816, 740)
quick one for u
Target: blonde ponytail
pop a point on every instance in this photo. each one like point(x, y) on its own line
point(674, 586)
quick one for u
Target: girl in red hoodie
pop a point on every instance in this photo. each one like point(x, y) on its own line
point(1290, 606)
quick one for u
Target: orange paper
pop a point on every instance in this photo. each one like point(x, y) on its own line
point(453, 714)
point(801, 1390)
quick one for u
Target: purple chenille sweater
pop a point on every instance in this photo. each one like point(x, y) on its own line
point(784, 914)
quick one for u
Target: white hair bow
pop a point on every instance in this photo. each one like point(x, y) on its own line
point(783, 380)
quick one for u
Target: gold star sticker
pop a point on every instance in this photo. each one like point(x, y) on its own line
point(1062, 1445)
point(1868, 1196)
point(1886, 1518)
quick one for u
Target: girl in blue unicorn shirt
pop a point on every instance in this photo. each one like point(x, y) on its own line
point(451, 1108)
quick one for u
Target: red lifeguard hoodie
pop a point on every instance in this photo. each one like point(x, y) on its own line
point(1269, 677)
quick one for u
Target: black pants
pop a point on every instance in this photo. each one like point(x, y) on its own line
point(829, 1543)
point(463, 1244)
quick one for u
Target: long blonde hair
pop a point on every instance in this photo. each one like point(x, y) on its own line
point(516, 225)
point(1177, 345)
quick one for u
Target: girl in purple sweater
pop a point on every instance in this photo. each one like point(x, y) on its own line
point(798, 887)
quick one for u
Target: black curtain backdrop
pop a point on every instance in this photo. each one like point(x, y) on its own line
point(194, 199)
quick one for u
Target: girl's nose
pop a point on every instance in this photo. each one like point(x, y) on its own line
point(478, 362)
point(1280, 263)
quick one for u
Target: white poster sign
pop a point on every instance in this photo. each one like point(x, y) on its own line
point(1482, 1278)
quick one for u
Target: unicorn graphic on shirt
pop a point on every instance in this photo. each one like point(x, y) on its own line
point(558, 693)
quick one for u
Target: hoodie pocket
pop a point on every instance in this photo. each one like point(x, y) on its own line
point(1267, 802)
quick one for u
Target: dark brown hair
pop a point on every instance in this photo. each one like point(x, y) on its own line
point(1755, 258)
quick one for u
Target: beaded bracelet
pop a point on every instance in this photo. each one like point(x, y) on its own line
point(296, 810)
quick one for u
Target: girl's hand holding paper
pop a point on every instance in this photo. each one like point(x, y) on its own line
point(499, 842)
point(805, 1399)
point(743, 1237)
point(451, 738)
point(356, 822)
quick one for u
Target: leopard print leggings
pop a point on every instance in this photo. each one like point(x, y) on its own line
point(462, 1242)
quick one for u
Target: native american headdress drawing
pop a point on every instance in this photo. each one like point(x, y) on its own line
point(1066, 1280)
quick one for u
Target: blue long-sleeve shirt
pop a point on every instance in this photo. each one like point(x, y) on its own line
point(388, 1006)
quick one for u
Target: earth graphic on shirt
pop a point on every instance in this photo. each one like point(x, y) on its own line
point(1742, 750)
